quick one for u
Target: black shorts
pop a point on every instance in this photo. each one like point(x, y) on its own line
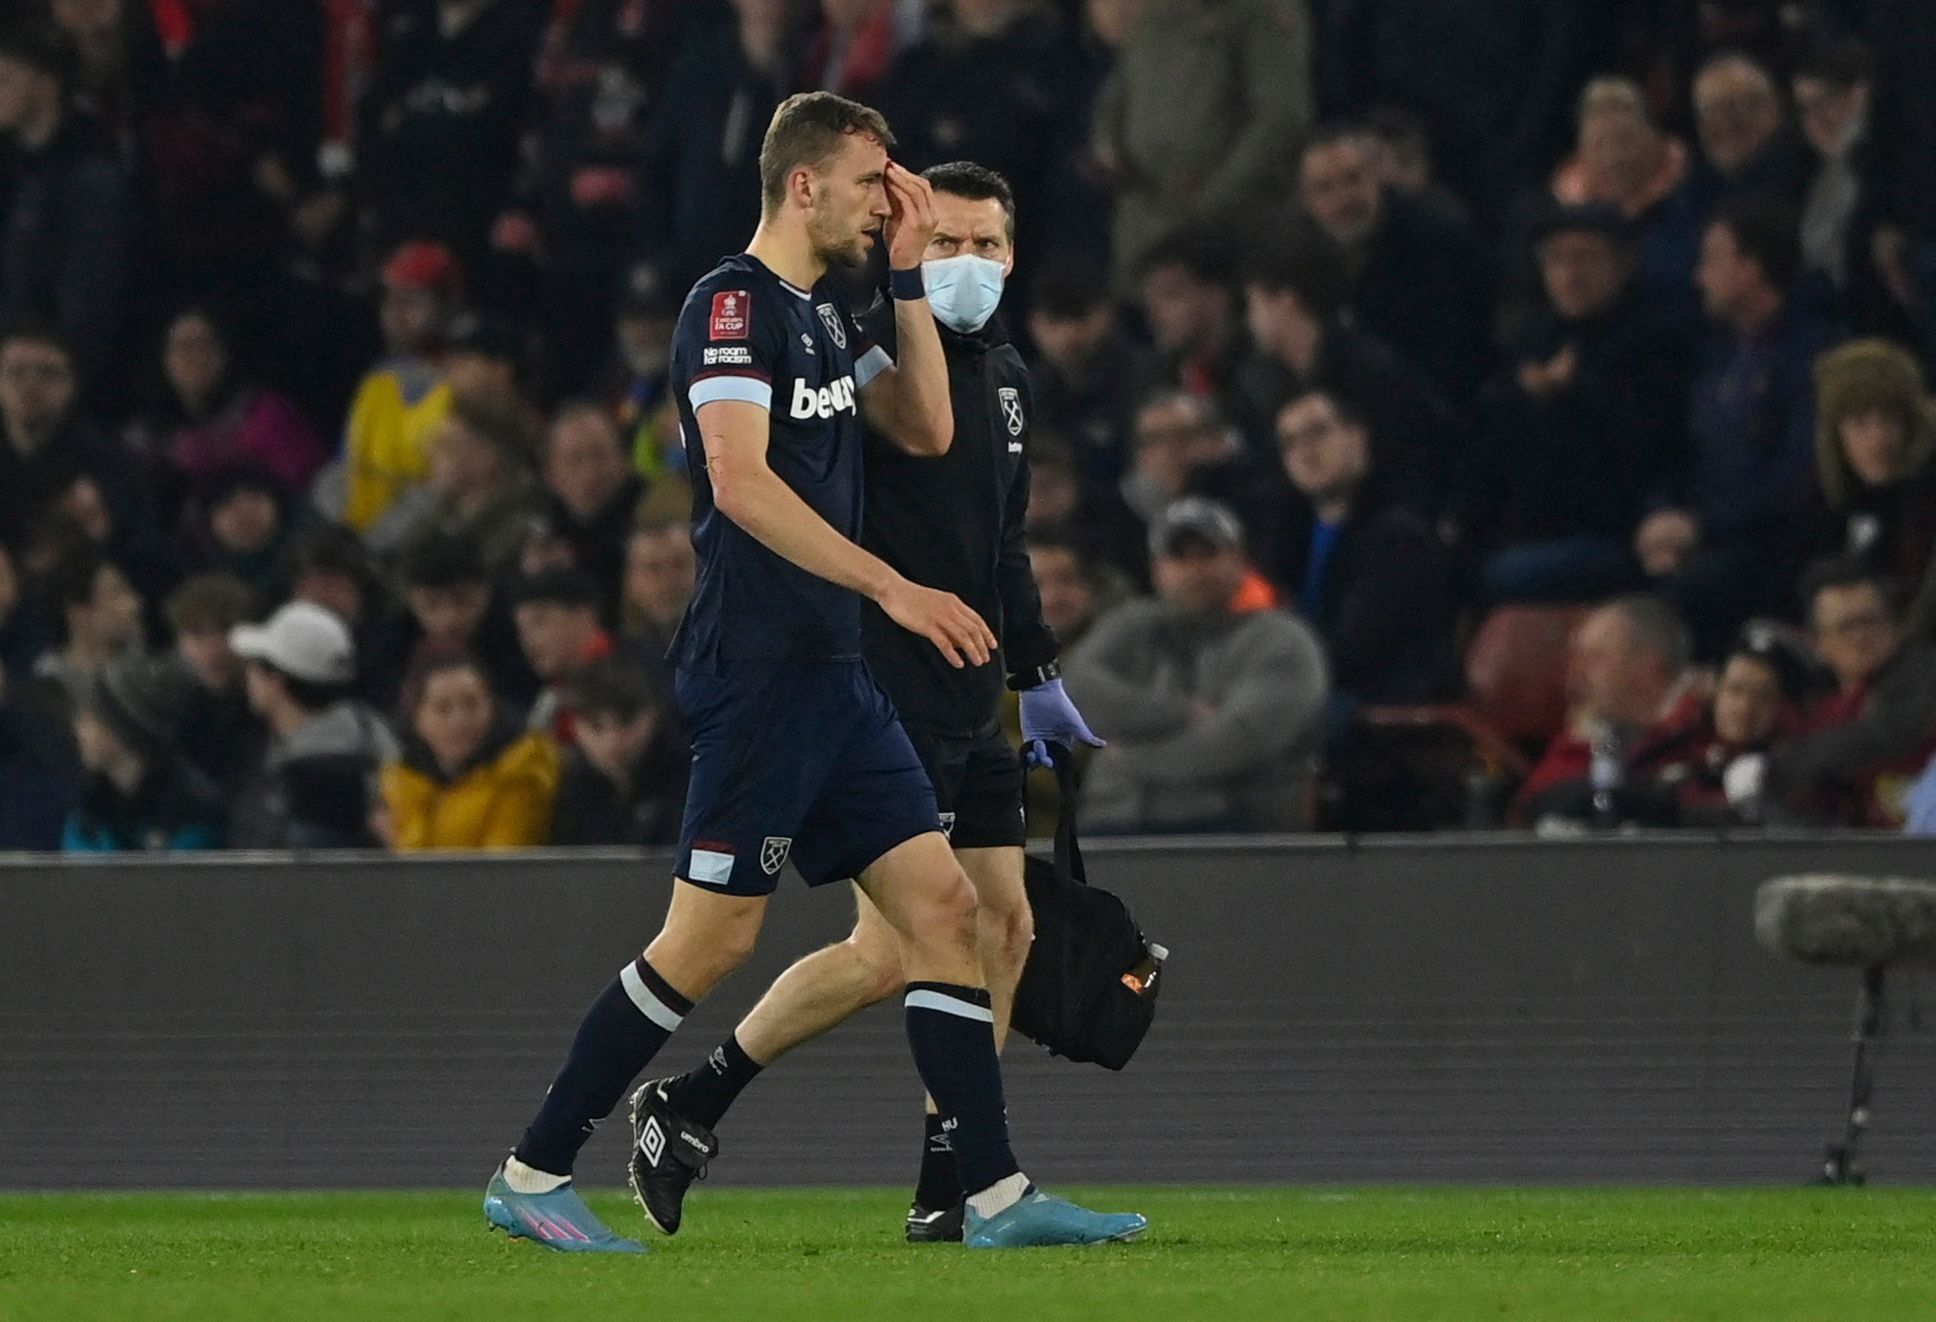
point(978, 786)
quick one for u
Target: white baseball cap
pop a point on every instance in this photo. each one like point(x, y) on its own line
point(302, 640)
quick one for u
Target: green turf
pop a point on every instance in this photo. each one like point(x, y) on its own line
point(1225, 1254)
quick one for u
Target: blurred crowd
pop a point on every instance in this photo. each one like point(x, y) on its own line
point(1449, 414)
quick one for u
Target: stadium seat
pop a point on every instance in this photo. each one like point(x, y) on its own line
point(1516, 670)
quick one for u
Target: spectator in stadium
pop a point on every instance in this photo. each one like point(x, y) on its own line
point(479, 486)
point(1182, 447)
point(1749, 149)
point(100, 616)
point(1419, 278)
point(660, 571)
point(215, 732)
point(316, 787)
point(1875, 460)
point(1832, 89)
point(1902, 167)
point(1365, 571)
point(592, 492)
point(1211, 714)
point(557, 618)
point(399, 404)
point(448, 591)
point(635, 383)
point(137, 794)
point(980, 85)
point(1082, 360)
point(1492, 79)
point(1190, 302)
point(702, 142)
point(440, 123)
point(241, 523)
point(469, 777)
point(115, 48)
point(1294, 296)
point(65, 214)
point(1622, 158)
point(1756, 699)
point(1724, 541)
point(37, 770)
point(210, 418)
point(625, 780)
point(1076, 590)
point(328, 566)
point(1055, 492)
point(1860, 747)
point(1639, 706)
point(1193, 126)
point(49, 444)
point(23, 633)
point(1574, 433)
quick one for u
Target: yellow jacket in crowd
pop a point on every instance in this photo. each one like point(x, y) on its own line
point(502, 802)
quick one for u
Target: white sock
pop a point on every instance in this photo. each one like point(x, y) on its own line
point(529, 1179)
point(999, 1196)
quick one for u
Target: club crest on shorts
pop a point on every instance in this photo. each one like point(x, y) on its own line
point(830, 318)
point(948, 824)
point(1011, 399)
point(773, 853)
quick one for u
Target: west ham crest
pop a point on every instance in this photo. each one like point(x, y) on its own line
point(831, 319)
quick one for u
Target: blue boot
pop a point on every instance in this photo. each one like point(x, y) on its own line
point(1039, 1219)
point(557, 1220)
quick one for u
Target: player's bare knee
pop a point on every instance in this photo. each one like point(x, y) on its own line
point(1006, 934)
point(956, 910)
point(882, 976)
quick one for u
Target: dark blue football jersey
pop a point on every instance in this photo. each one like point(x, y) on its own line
point(745, 334)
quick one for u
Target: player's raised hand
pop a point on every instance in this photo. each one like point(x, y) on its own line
point(943, 619)
point(911, 224)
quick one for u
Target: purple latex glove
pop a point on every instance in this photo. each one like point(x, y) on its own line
point(1048, 717)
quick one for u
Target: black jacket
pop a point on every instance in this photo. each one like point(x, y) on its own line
point(1903, 178)
point(1385, 611)
point(1578, 462)
point(956, 523)
point(590, 810)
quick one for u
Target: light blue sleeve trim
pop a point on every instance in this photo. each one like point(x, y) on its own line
point(743, 389)
point(871, 364)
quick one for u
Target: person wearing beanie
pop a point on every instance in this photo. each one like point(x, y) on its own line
point(1875, 462)
point(137, 795)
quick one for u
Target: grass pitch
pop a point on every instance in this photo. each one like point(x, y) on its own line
point(1222, 1254)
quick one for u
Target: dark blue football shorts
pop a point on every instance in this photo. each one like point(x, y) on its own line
point(800, 760)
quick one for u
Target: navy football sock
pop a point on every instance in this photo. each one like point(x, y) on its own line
point(952, 1032)
point(624, 1029)
point(705, 1095)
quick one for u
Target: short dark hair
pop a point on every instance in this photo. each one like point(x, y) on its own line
point(308, 694)
point(1842, 63)
point(501, 428)
point(807, 130)
point(210, 602)
point(1767, 232)
point(976, 183)
point(1307, 265)
point(1069, 286)
point(72, 579)
point(417, 685)
point(1400, 128)
point(1845, 571)
point(1205, 254)
point(559, 587)
point(617, 686)
point(1348, 413)
point(1658, 626)
point(331, 548)
point(1333, 132)
point(1060, 537)
point(442, 559)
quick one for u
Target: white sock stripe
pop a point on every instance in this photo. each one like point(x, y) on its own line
point(923, 999)
point(649, 1005)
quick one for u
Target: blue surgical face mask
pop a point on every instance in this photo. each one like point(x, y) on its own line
point(963, 291)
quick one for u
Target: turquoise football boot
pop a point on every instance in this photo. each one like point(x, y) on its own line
point(557, 1220)
point(1039, 1219)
